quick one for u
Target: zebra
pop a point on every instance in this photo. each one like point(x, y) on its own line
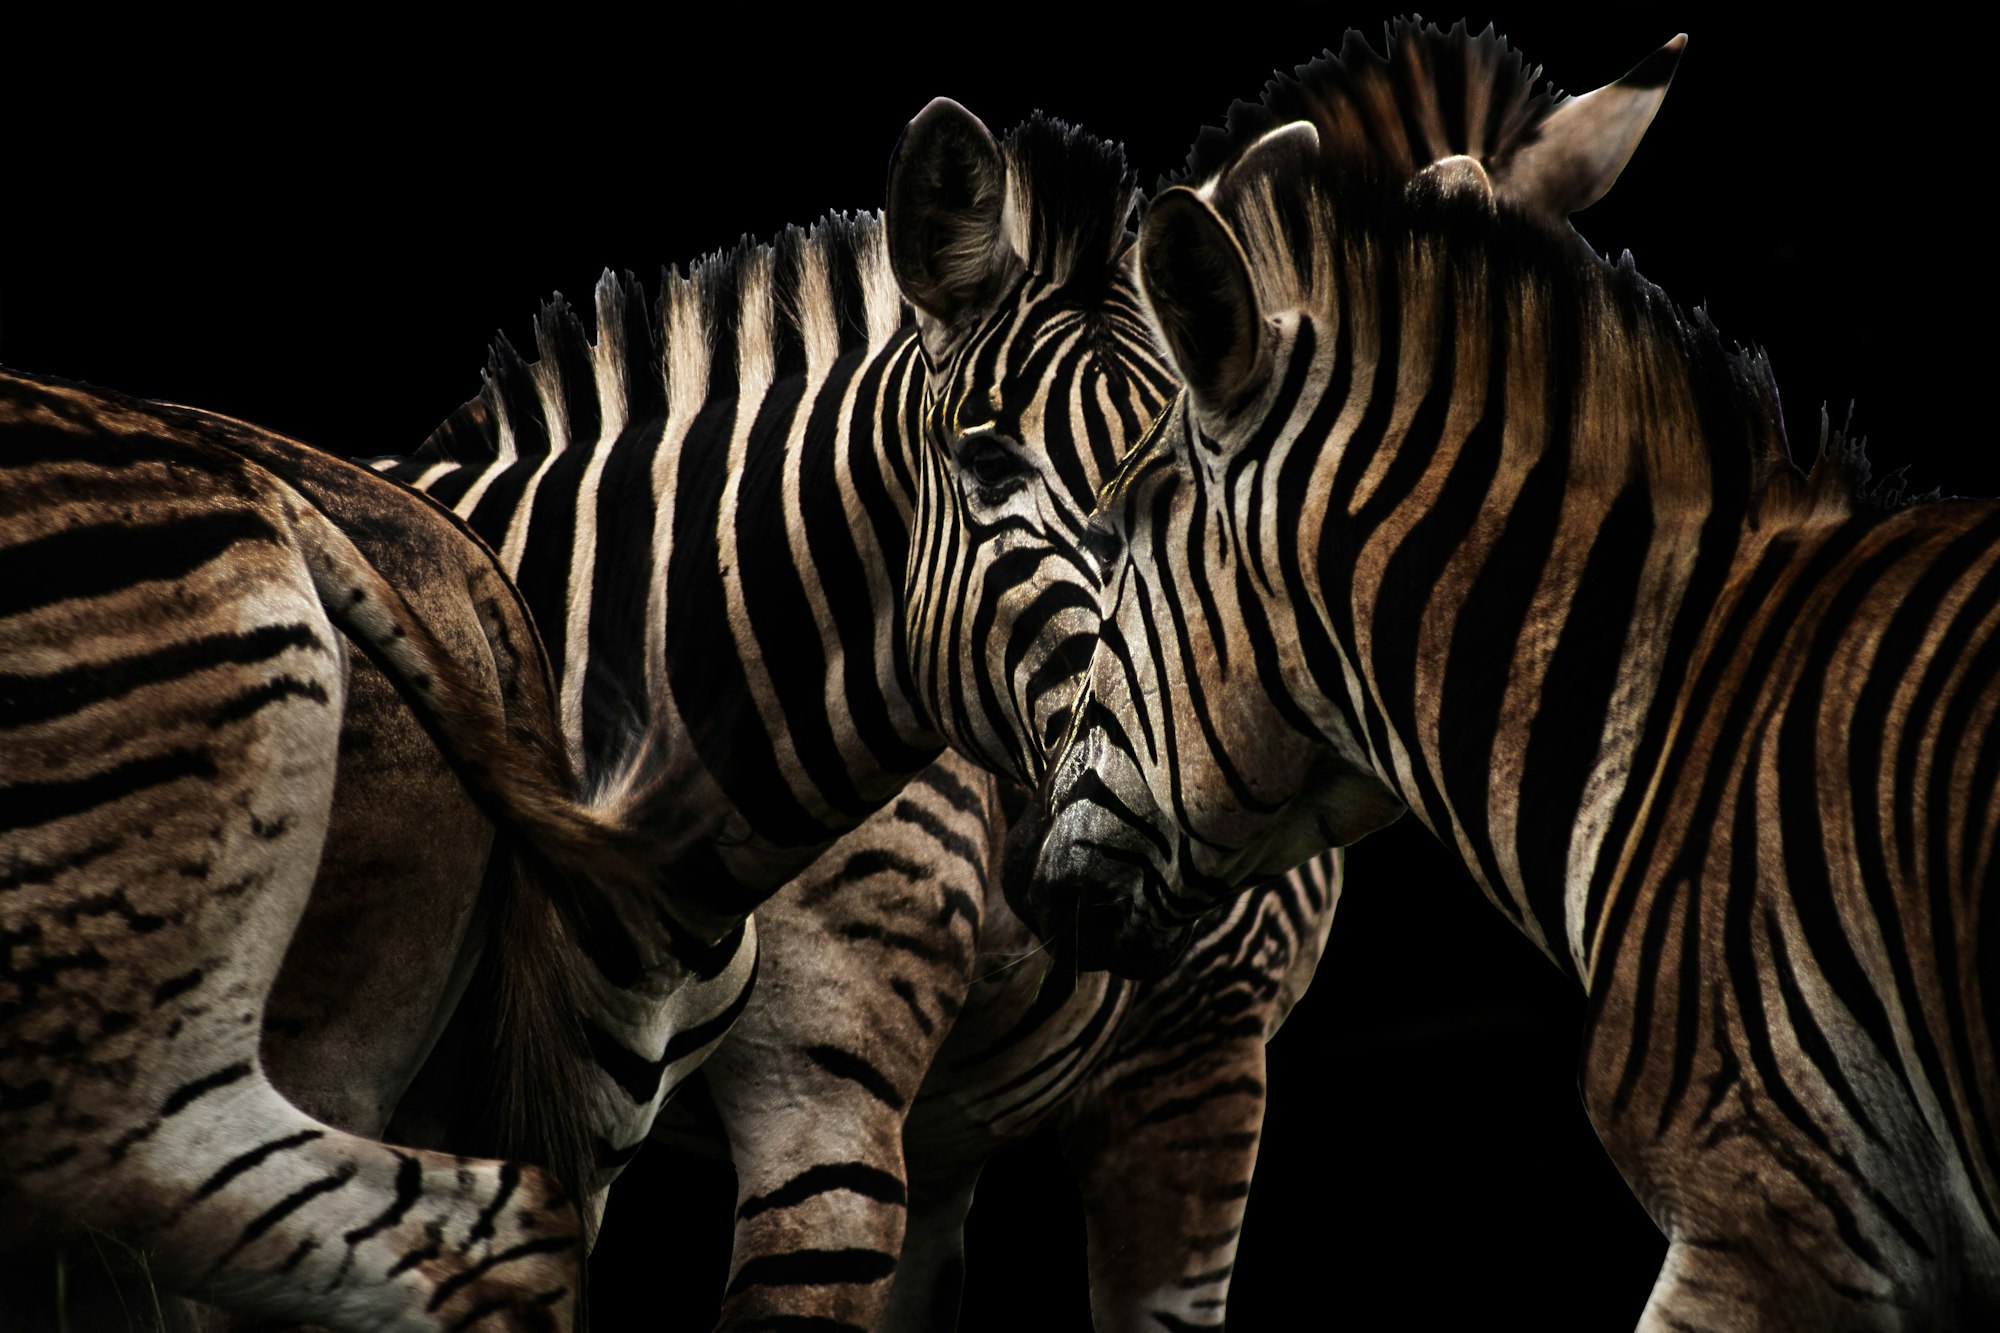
point(1456, 517)
point(781, 413)
point(173, 690)
point(708, 508)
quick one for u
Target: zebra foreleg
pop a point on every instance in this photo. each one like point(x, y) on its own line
point(812, 1093)
point(930, 1281)
point(1788, 1202)
point(868, 958)
point(1164, 1155)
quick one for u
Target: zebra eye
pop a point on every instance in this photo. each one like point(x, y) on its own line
point(1102, 541)
point(991, 460)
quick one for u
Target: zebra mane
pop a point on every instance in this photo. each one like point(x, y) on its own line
point(1310, 239)
point(1434, 94)
point(1070, 197)
point(766, 311)
point(762, 311)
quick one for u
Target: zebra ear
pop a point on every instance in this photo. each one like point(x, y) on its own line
point(1458, 176)
point(1586, 141)
point(947, 184)
point(1203, 301)
point(1289, 149)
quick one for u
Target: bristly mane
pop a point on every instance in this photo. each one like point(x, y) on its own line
point(827, 285)
point(1070, 198)
point(1301, 259)
point(1433, 95)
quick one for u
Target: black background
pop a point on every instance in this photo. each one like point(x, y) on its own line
point(318, 228)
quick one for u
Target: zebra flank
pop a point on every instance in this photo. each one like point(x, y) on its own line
point(186, 635)
point(1459, 518)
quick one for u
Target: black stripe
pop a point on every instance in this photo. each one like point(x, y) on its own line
point(174, 986)
point(924, 947)
point(637, 1076)
point(958, 795)
point(1175, 1107)
point(907, 993)
point(236, 1166)
point(1574, 705)
point(180, 1098)
point(26, 699)
point(854, 1177)
point(284, 1208)
point(702, 1034)
point(26, 804)
point(104, 557)
point(526, 1249)
point(863, 865)
point(948, 840)
point(409, 1187)
point(856, 1069)
point(812, 1268)
point(510, 1180)
point(254, 700)
point(704, 671)
point(422, 1254)
point(855, 592)
point(551, 515)
point(621, 581)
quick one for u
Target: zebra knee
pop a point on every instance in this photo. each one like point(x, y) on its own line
point(1731, 1286)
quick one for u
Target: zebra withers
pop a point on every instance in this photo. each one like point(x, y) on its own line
point(173, 681)
point(1456, 517)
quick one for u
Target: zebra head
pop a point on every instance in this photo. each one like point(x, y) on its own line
point(1040, 370)
point(1230, 726)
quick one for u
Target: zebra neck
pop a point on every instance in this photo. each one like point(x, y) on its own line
point(1520, 565)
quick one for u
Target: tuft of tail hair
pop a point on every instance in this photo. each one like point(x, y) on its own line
point(522, 1050)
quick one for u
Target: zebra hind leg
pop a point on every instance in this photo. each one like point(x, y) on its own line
point(145, 929)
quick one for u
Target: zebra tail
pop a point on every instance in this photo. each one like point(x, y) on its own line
point(561, 864)
point(523, 1036)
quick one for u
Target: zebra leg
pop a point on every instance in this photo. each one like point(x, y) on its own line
point(1163, 1146)
point(867, 958)
point(930, 1280)
point(1789, 1200)
point(164, 1133)
point(144, 929)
